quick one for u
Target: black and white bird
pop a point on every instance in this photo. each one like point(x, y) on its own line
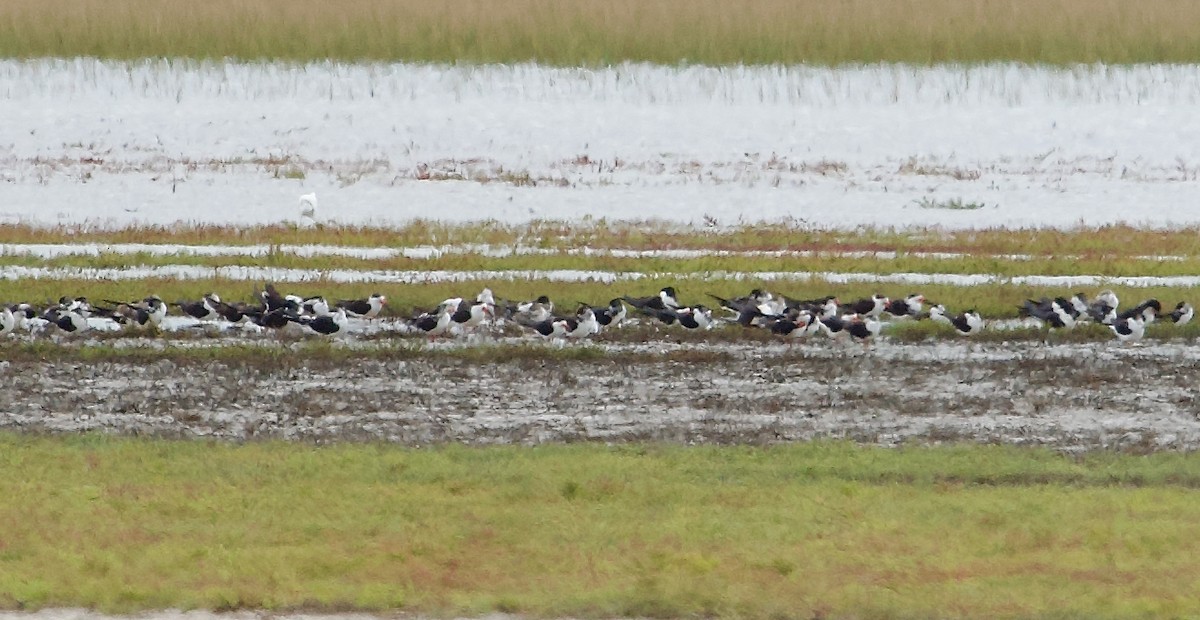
point(1129, 329)
point(1056, 313)
point(278, 318)
point(833, 326)
point(754, 301)
point(204, 310)
point(272, 299)
point(435, 323)
point(664, 300)
point(1102, 309)
point(468, 316)
point(802, 326)
point(585, 324)
point(239, 312)
point(553, 327)
point(870, 307)
point(23, 313)
point(1182, 314)
point(611, 315)
point(529, 312)
point(908, 307)
point(70, 321)
point(695, 317)
point(368, 308)
point(758, 309)
point(1148, 311)
point(968, 323)
point(8, 321)
point(148, 312)
point(315, 306)
point(863, 329)
point(328, 324)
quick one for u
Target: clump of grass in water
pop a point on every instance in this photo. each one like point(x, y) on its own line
point(953, 204)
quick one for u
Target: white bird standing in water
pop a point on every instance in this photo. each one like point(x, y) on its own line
point(308, 209)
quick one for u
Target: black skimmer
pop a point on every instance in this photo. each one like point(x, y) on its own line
point(1102, 309)
point(553, 328)
point(436, 323)
point(863, 329)
point(278, 318)
point(833, 326)
point(272, 299)
point(822, 308)
point(1055, 313)
point(468, 316)
point(368, 308)
point(968, 323)
point(908, 307)
point(239, 312)
point(585, 324)
point(529, 312)
point(1148, 311)
point(315, 306)
point(872, 306)
point(802, 326)
point(8, 321)
point(327, 325)
point(204, 310)
point(1182, 314)
point(70, 321)
point(613, 314)
point(664, 300)
point(695, 317)
point(756, 309)
point(71, 304)
point(148, 312)
point(23, 313)
point(738, 305)
point(1130, 329)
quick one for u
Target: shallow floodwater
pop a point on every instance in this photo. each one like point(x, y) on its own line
point(882, 145)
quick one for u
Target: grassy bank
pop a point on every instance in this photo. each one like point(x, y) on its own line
point(715, 264)
point(572, 33)
point(1090, 243)
point(789, 531)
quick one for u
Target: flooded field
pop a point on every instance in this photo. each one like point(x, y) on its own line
point(1069, 396)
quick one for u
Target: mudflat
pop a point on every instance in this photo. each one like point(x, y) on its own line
point(1069, 396)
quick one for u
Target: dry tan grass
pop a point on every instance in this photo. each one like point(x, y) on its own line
point(562, 32)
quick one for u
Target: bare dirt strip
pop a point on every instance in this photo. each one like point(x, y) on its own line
point(1069, 396)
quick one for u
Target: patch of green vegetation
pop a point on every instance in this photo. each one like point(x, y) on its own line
point(951, 204)
point(1064, 32)
point(716, 265)
point(826, 529)
point(1104, 243)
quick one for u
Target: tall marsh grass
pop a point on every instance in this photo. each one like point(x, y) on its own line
point(563, 32)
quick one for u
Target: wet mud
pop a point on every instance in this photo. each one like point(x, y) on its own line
point(1071, 397)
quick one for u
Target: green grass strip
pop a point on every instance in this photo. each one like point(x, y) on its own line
point(998, 266)
point(1091, 243)
point(591, 531)
point(573, 33)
